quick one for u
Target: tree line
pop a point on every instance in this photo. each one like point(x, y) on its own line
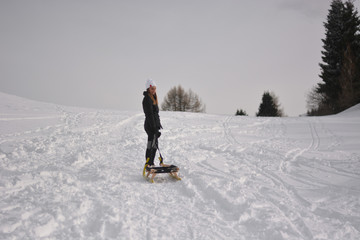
point(339, 88)
point(179, 100)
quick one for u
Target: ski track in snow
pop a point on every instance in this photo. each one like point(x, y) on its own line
point(68, 173)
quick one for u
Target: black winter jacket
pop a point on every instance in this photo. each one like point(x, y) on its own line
point(152, 120)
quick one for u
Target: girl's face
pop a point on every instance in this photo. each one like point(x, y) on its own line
point(152, 90)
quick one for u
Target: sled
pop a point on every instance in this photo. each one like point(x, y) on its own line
point(164, 168)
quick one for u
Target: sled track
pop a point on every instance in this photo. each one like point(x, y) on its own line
point(293, 154)
point(242, 178)
point(315, 143)
point(293, 200)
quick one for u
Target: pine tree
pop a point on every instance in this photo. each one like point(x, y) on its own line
point(340, 70)
point(269, 106)
point(350, 72)
point(241, 113)
point(332, 56)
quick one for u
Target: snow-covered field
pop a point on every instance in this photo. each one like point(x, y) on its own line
point(71, 173)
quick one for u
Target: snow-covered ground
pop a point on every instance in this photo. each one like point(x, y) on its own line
point(71, 173)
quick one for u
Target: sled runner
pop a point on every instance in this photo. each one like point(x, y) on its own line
point(164, 168)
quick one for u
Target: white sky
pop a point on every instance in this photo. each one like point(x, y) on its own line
point(99, 53)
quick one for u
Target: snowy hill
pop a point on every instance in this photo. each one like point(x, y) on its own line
point(70, 173)
point(351, 112)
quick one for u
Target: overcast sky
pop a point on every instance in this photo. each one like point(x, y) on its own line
point(100, 53)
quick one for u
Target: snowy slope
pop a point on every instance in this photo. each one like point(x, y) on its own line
point(69, 173)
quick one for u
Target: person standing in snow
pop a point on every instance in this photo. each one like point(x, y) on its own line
point(152, 123)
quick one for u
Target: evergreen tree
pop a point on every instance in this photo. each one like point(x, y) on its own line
point(332, 56)
point(350, 72)
point(269, 106)
point(340, 70)
point(240, 113)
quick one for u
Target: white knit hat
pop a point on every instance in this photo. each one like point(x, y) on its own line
point(150, 83)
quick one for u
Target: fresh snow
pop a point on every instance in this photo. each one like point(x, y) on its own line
point(71, 173)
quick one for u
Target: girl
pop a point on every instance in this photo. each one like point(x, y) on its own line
point(152, 123)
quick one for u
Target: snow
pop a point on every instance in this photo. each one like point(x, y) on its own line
point(71, 173)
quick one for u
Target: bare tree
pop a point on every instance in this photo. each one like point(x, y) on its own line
point(315, 103)
point(179, 100)
point(194, 103)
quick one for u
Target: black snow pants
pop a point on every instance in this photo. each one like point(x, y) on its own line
point(151, 148)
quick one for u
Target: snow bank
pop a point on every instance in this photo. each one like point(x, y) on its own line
point(68, 173)
point(351, 112)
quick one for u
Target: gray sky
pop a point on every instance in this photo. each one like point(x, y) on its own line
point(99, 53)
